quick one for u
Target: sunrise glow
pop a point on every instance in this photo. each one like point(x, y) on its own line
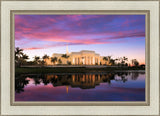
point(114, 35)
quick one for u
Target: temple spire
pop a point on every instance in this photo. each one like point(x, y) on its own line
point(67, 49)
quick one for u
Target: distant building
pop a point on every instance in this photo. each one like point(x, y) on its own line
point(84, 57)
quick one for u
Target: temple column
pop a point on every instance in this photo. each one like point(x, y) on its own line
point(98, 60)
point(90, 60)
point(83, 60)
point(93, 60)
point(78, 60)
point(73, 61)
point(86, 60)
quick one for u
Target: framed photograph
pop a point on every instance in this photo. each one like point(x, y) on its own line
point(80, 57)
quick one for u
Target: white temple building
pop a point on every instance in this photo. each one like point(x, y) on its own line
point(84, 57)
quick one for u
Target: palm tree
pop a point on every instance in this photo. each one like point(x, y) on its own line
point(18, 53)
point(123, 61)
point(25, 57)
point(105, 58)
point(116, 61)
point(125, 58)
point(112, 62)
point(65, 56)
point(135, 62)
point(44, 58)
point(109, 60)
point(20, 57)
point(42, 62)
point(59, 61)
point(53, 59)
point(37, 59)
point(109, 57)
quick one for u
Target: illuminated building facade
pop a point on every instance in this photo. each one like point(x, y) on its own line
point(84, 57)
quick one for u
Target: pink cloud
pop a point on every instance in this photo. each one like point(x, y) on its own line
point(63, 29)
point(32, 48)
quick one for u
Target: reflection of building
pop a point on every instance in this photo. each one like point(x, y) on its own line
point(84, 81)
point(80, 80)
point(84, 57)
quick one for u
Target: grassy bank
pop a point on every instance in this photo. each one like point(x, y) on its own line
point(71, 69)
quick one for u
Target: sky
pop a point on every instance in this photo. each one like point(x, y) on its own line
point(108, 35)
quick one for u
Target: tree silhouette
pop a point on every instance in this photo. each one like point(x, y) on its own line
point(109, 60)
point(135, 62)
point(65, 56)
point(59, 61)
point(44, 59)
point(20, 57)
point(53, 60)
point(37, 59)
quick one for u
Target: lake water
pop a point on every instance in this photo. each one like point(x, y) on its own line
point(119, 86)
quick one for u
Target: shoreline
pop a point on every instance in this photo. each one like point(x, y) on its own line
point(24, 70)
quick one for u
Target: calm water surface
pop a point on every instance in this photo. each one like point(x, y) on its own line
point(120, 86)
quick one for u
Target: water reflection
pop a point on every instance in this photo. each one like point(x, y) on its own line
point(79, 80)
point(20, 82)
